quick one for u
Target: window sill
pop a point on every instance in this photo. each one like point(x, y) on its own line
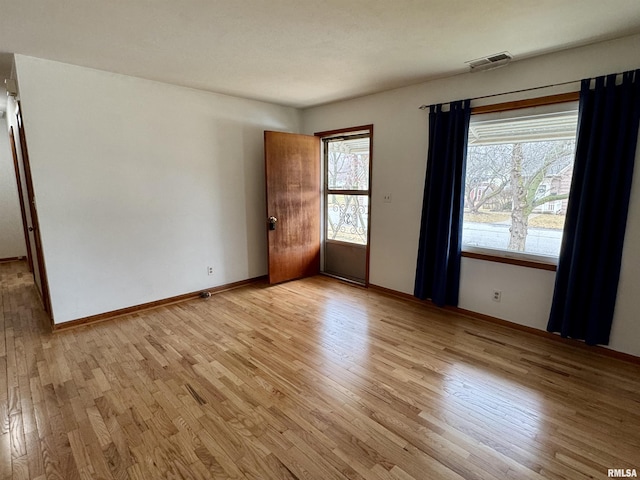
point(510, 261)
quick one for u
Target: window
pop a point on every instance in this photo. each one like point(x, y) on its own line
point(347, 188)
point(518, 177)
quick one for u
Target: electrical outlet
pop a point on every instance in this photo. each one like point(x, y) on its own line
point(210, 270)
point(387, 198)
point(497, 295)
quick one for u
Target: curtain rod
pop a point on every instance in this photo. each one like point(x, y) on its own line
point(424, 107)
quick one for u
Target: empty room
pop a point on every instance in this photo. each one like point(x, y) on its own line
point(359, 240)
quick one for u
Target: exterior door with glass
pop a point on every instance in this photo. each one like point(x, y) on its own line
point(347, 192)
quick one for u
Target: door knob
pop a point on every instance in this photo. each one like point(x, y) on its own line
point(272, 222)
point(31, 229)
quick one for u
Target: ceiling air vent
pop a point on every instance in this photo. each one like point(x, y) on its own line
point(490, 62)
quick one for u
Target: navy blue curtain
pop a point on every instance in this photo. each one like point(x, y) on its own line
point(591, 253)
point(438, 266)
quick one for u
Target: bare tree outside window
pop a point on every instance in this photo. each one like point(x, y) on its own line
point(347, 170)
point(348, 190)
point(517, 184)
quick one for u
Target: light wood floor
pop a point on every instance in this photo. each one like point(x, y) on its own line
point(310, 379)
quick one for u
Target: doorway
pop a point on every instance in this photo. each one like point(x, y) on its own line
point(346, 203)
point(28, 208)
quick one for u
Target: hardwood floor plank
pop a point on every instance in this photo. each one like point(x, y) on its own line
point(16, 431)
point(20, 468)
point(5, 455)
point(34, 454)
point(312, 379)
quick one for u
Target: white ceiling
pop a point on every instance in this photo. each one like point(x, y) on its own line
point(302, 52)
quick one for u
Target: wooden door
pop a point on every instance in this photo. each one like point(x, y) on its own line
point(39, 270)
point(292, 167)
point(21, 197)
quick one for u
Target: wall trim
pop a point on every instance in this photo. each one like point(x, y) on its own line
point(607, 352)
point(11, 259)
point(57, 327)
point(510, 261)
point(528, 102)
point(358, 128)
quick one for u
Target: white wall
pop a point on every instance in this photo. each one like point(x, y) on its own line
point(141, 185)
point(11, 233)
point(399, 167)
